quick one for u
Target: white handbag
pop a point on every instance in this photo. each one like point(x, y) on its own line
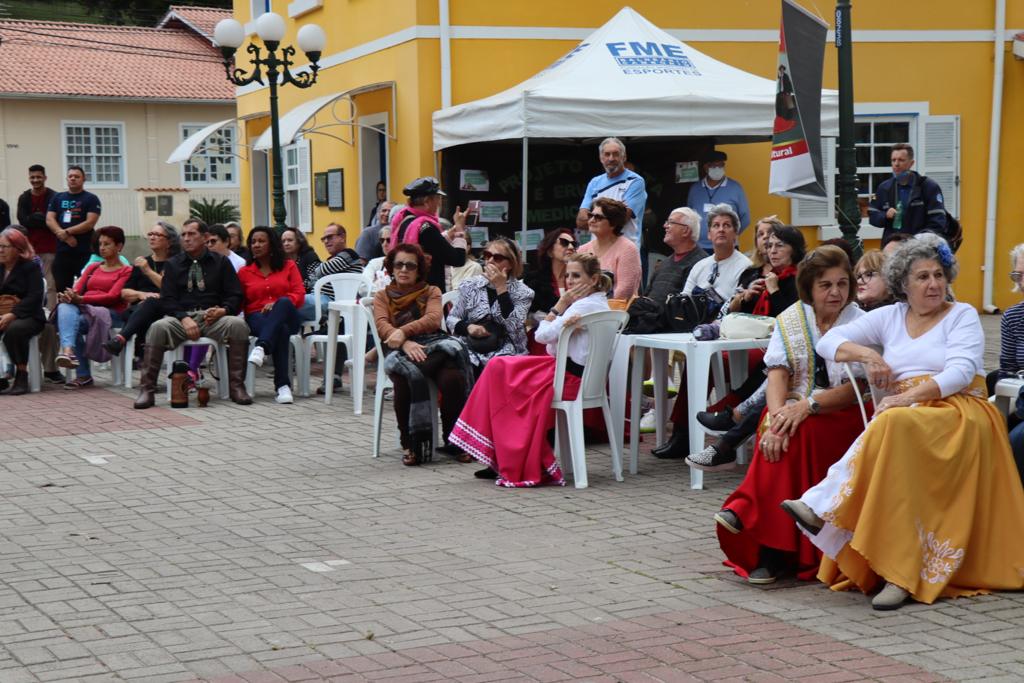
point(746, 326)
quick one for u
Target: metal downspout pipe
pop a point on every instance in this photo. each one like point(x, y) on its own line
point(993, 157)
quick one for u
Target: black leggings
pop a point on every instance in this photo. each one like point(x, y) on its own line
point(140, 317)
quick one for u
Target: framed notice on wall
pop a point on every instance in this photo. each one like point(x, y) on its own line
point(320, 189)
point(336, 189)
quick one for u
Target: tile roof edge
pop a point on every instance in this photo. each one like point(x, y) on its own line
point(112, 98)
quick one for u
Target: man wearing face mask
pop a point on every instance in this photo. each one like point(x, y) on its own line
point(908, 202)
point(716, 188)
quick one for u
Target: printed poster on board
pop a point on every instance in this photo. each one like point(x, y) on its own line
point(796, 169)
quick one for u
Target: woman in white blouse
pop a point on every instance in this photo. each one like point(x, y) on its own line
point(509, 411)
point(926, 502)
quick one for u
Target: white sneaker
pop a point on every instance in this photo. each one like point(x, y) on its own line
point(648, 425)
point(256, 356)
point(284, 395)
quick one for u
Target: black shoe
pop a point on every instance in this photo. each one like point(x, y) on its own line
point(713, 458)
point(337, 386)
point(114, 346)
point(4, 383)
point(486, 473)
point(55, 377)
point(716, 422)
point(676, 448)
point(728, 520)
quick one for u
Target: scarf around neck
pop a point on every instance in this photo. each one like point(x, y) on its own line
point(406, 304)
point(763, 305)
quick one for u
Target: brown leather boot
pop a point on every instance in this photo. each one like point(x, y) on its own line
point(151, 362)
point(238, 355)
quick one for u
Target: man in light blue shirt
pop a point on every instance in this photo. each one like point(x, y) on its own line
point(714, 189)
point(617, 182)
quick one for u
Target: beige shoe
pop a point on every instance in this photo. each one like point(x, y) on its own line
point(889, 598)
point(803, 515)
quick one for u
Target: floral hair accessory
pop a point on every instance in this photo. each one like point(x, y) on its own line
point(945, 255)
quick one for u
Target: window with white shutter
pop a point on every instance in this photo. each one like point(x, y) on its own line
point(939, 157)
point(297, 199)
point(936, 143)
point(815, 211)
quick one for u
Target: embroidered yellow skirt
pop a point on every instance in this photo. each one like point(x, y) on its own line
point(927, 498)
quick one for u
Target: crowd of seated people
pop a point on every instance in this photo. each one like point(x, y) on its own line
point(921, 502)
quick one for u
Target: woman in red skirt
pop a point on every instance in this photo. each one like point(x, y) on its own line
point(507, 417)
point(811, 419)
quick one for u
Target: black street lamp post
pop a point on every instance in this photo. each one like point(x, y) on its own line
point(229, 35)
point(847, 207)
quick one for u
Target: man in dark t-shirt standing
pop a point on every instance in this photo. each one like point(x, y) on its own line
point(32, 207)
point(71, 217)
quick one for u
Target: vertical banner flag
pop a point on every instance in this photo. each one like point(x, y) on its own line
point(796, 137)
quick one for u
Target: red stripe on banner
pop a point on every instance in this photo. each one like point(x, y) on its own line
point(789, 150)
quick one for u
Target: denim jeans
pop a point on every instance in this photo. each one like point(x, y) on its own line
point(1017, 445)
point(273, 331)
point(72, 327)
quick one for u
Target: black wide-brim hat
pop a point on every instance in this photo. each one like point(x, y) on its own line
point(423, 187)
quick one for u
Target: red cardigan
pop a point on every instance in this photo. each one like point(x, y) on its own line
point(259, 290)
point(103, 287)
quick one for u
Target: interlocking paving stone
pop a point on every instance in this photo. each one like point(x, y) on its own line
point(181, 559)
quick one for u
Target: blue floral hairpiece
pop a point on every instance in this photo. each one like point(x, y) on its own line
point(945, 255)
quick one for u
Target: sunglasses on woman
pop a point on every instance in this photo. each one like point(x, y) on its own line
point(566, 242)
point(493, 256)
point(406, 265)
point(1016, 275)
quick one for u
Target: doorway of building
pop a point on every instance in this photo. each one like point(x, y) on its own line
point(373, 162)
point(260, 187)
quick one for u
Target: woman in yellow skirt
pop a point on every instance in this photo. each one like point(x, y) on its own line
point(927, 500)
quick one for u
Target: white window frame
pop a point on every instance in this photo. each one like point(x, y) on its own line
point(232, 155)
point(90, 179)
point(299, 7)
point(256, 8)
point(917, 114)
point(300, 187)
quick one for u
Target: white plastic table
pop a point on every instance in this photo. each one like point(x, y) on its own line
point(1006, 393)
point(698, 365)
point(354, 312)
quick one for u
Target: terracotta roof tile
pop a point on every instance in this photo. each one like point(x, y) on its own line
point(201, 19)
point(60, 59)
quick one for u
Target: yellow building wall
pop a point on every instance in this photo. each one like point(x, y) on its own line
point(954, 78)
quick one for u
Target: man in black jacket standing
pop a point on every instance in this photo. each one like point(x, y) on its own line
point(908, 202)
point(201, 296)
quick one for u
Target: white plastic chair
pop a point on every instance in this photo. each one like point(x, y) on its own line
point(447, 298)
point(384, 382)
point(35, 366)
point(876, 393)
point(294, 363)
point(346, 287)
point(603, 331)
point(220, 352)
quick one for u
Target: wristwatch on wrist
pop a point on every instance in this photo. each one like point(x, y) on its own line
point(814, 405)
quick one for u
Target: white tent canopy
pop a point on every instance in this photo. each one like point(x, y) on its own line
point(631, 79)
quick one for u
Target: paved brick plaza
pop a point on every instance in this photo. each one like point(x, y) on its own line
point(281, 551)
